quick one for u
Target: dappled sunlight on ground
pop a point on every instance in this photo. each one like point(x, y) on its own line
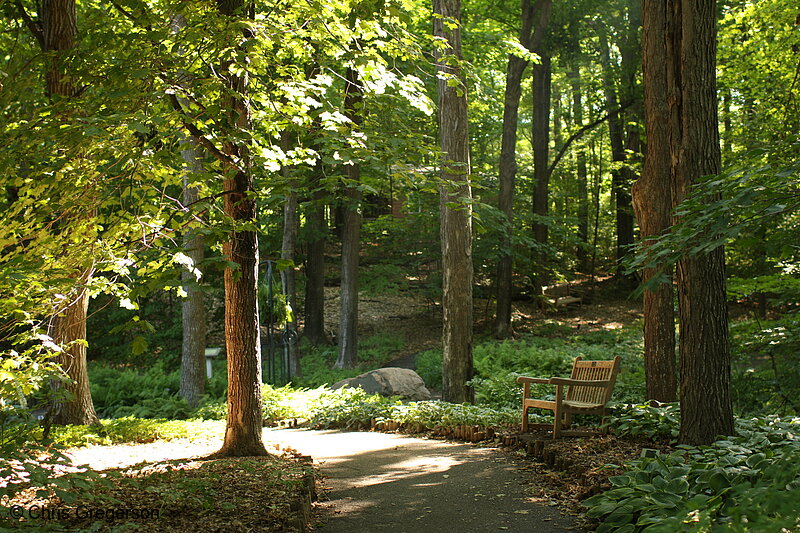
point(124, 455)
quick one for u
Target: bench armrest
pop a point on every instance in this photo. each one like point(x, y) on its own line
point(525, 379)
point(579, 382)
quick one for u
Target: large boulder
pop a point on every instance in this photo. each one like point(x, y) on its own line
point(389, 381)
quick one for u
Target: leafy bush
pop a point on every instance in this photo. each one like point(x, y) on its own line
point(429, 368)
point(347, 408)
point(149, 393)
point(382, 279)
point(645, 420)
point(766, 355)
point(24, 463)
point(437, 413)
point(733, 485)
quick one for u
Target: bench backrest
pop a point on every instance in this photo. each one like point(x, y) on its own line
point(593, 370)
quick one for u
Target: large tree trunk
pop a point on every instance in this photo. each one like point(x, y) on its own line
point(242, 336)
point(69, 331)
point(455, 211)
point(705, 365)
point(652, 200)
point(688, 29)
point(508, 156)
point(193, 377)
point(58, 33)
point(351, 239)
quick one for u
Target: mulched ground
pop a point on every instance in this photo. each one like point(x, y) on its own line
point(270, 493)
point(575, 468)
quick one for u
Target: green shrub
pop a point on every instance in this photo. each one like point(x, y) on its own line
point(383, 279)
point(148, 393)
point(738, 482)
point(645, 420)
point(437, 413)
point(429, 368)
point(766, 356)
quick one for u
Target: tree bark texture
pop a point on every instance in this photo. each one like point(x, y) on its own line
point(59, 30)
point(455, 211)
point(705, 366)
point(541, 156)
point(541, 145)
point(530, 39)
point(69, 331)
point(351, 238)
point(193, 375)
point(689, 32)
point(652, 201)
point(314, 308)
point(242, 335)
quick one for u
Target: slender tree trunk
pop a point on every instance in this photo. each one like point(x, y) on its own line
point(583, 192)
point(193, 318)
point(291, 223)
point(455, 211)
point(727, 139)
point(242, 336)
point(508, 171)
point(314, 308)
point(631, 95)
point(619, 181)
point(508, 155)
point(59, 28)
point(541, 156)
point(652, 200)
point(193, 377)
point(351, 239)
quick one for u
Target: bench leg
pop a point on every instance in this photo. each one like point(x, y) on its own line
point(524, 419)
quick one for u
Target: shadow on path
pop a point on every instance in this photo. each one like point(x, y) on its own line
point(388, 482)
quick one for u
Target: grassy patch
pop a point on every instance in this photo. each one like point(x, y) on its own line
point(135, 430)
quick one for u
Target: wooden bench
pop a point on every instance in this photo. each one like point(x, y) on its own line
point(588, 392)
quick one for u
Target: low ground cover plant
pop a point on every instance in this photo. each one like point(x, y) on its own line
point(746, 482)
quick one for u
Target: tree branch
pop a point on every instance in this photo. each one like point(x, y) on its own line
point(201, 139)
point(34, 27)
point(578, 134)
